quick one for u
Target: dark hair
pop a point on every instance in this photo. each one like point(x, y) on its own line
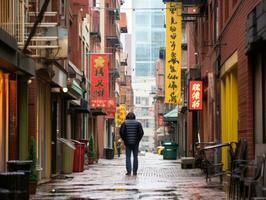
point(131, 115)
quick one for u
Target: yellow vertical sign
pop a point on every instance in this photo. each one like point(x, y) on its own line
point(173, 52)
point(120, 115)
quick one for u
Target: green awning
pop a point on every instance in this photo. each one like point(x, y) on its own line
point(76, 89)
point(171, 116)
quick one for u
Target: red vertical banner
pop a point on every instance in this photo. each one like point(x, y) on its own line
point(195, 95)
point(99, 80)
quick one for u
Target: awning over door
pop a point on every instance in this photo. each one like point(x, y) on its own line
point(171, 116)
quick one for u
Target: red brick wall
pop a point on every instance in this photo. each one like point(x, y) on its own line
point(74, 42)
point(200, 41)
point(234, 36)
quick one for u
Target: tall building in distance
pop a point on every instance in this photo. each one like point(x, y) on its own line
point(148, 36)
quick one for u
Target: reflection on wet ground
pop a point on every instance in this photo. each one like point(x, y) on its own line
point(156, 179)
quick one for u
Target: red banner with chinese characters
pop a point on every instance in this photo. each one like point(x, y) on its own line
point(99, 80)
point(195, 95)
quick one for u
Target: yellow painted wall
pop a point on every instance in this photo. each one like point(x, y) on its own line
point(229, 105)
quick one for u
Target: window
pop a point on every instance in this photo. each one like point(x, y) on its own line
point(143, 69)
point(145, 111)
point(155, 52)
point(260, 98)
point(211, 21)
point(216, 21)
point(184, 35)
point(158, 37)
point(62, 9)
point(157, 20)
point(145, 123)
point(96, 3)
point(151, 123)
point(137, 100)
point(141, 19)
point(145, 101)
point(142, 52)
point(142, 35)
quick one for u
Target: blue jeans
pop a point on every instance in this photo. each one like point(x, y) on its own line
point(135, 150)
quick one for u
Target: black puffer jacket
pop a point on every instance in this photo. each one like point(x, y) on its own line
point(131, 130)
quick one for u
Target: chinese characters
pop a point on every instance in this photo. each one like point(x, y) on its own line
point(195, 95)
point(173, 53)
point(99, 80)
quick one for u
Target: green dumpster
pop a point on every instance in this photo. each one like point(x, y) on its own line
point(68, 149)
point(170, 151)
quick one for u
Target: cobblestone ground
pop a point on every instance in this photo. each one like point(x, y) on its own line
point(156, 179)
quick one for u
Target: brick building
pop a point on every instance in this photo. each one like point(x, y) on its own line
point(220, 50)
point(48, 77)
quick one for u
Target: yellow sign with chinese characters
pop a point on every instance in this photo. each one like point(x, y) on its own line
point(173, 52)
point(120, 115)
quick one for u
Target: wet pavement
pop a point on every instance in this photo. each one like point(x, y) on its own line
point(156, 179)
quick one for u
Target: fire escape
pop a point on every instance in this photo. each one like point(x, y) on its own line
point(112, 32)
point(49, 41)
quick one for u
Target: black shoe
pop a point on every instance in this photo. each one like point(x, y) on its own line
point(135, 173)
point(128, 173)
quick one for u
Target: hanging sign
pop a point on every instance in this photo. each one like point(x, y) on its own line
point(120, 115)
point(173, 52)
point(99, 80)
point(195, 95)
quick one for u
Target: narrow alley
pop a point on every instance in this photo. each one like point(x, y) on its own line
point(156, 179)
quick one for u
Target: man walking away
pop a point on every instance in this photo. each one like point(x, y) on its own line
point(131, 133)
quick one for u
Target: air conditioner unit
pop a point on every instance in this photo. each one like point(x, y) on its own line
point(59, 46)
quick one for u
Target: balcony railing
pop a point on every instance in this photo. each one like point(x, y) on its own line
point(12, 18)
point(18, 22)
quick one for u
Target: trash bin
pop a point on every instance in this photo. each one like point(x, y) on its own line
point(86, 145)
point(68, 149)
point(109, 153)
point(170, 151)
point(12, 185)
point(78, 164)
point(21, 166)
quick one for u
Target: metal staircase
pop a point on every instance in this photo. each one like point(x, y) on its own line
point(44, 44)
